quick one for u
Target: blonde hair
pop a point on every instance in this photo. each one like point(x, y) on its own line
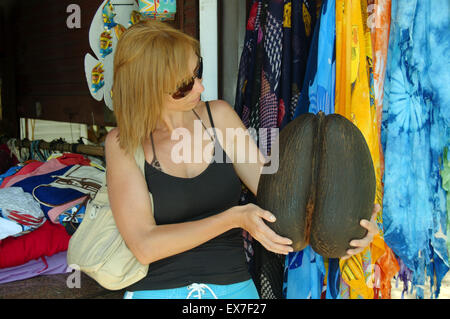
point(150, 61)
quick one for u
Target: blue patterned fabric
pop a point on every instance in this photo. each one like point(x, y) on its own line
point(304, 275)
point(333, 279)
point(296, 45)
point(303, 103)
point(38, 187)
point(415, 130)
point(305, 271)
point(321, 91)
point(319, 85)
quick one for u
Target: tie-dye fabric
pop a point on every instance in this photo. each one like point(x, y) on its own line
point(415, 130)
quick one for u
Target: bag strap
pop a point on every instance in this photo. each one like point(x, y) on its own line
point(139, 156)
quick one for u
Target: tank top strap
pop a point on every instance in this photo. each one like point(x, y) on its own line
point(155, 162)
point(211, 119)
point(153, 144)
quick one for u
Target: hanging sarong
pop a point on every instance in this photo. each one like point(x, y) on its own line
point(379, 20)
point(302, 21)
point(353, 101)
point(416, 116)
point(307, 273)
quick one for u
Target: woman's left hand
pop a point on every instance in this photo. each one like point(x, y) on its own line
point(372, 230)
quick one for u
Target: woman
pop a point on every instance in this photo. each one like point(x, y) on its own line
point(192, 239)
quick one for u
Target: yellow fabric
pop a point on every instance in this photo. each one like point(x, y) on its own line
point(353, 101)
point(357, 276)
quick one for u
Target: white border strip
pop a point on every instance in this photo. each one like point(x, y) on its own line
point(209, 48)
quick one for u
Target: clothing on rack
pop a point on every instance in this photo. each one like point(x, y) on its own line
point(266, 97)
point(379, 18)
point(415, 131)
point(318, 90)
point(341, 47)
point(353, 101)
point(303, 20)
point(305, 273)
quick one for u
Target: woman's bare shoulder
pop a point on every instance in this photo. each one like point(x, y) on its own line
point(113, 150)
point(112, 138)
point(224, 114)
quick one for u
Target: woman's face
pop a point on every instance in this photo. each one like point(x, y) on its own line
point(192, 97)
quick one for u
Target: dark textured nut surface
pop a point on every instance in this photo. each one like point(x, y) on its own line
point(324, 186)
point(286, 193)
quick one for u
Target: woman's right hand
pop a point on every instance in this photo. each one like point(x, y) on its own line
point(250, 217)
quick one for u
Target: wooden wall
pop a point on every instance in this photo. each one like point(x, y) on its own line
point(47, 66)
point(9, 125)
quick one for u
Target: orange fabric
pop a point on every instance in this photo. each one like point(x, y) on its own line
point(389, 266)
point(380, 28)
point(380, 39)
point(359, 99)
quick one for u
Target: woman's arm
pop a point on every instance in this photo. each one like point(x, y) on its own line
point(248, 160)
point(132, 211)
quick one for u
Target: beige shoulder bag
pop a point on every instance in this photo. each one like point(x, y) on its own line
point(98, 249)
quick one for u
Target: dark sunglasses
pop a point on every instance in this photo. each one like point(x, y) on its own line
point(184, 89)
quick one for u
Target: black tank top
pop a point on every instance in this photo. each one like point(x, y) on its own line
point(222, 259)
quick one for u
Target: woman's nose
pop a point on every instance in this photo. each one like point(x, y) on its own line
point(198, 87)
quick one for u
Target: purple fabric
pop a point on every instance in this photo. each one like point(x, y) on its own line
point(56, 264)
point(405, 275)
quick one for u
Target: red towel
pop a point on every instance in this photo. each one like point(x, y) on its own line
point(46, 240)
point(74, 159)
